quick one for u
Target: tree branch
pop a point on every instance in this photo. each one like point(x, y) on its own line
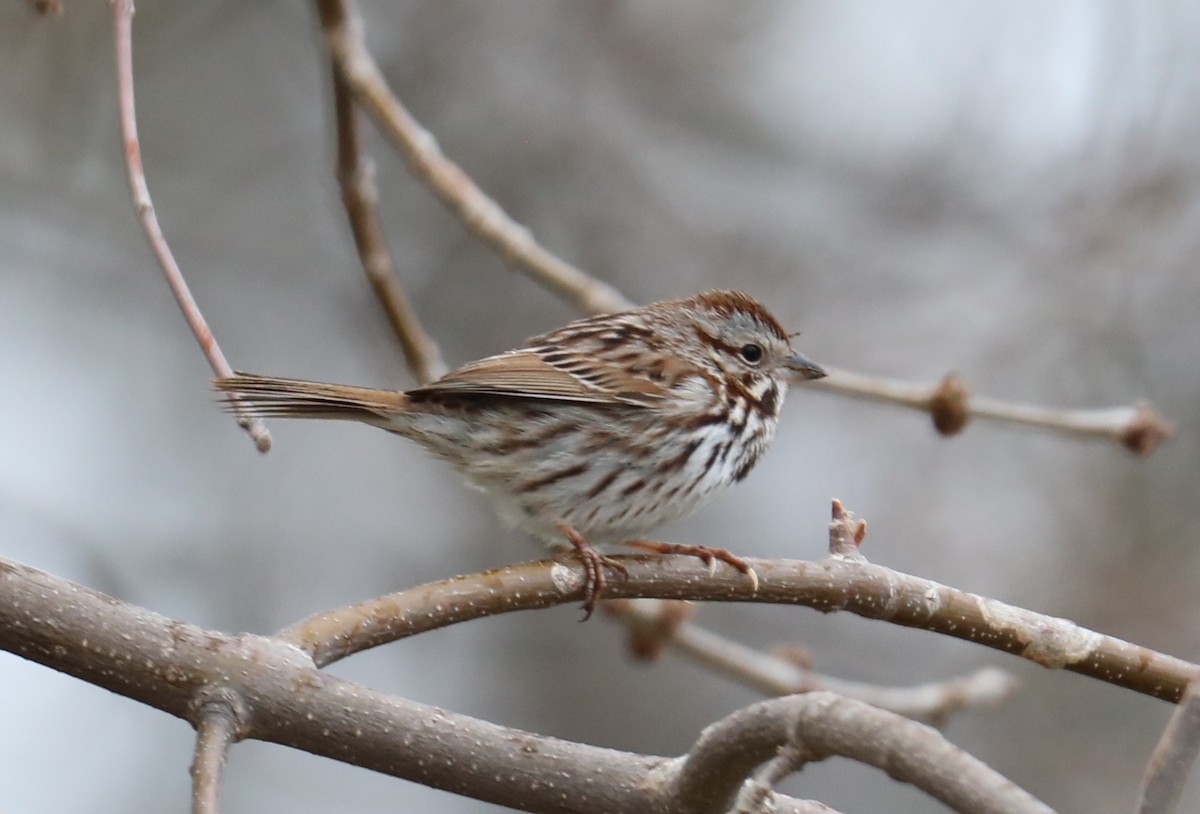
point(482, 216)
point(278, 695)
point(821, 725)
point(1173, 757)
point(769, 674)
point(356, 176)
point(1140, 429)
point(829, 585)
point(219, 721)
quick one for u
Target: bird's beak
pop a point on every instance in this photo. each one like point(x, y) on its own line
point(803, 367)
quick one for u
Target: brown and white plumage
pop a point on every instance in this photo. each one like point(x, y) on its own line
point(610, 425)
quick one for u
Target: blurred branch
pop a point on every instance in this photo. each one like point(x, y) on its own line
point(834, 584)
point(482, 216)
point(122, 11)
point(822, 725)
point(357, 179)
point(1139, 428)
point(1173, 757)
point(655, 624)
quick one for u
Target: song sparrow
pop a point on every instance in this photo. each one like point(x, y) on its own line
point(596, 432)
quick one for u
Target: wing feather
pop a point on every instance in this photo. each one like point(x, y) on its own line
point(528, 374)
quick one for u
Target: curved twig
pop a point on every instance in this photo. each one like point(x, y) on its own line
point(122, 11)
point(820, 725)
point(829, 585)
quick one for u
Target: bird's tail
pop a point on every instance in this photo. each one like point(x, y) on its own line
point(270, 397)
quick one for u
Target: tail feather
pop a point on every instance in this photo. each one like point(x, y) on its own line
point(271, 397)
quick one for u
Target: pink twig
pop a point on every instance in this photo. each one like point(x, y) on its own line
point(122, 32)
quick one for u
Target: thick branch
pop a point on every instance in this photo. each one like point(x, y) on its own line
point(277, 694)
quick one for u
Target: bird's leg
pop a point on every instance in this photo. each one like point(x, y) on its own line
point(594, 564)
point(709, 556)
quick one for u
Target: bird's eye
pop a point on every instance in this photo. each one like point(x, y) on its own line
point(752, 353)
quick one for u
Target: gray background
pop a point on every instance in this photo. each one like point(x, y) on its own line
point(1009, 190)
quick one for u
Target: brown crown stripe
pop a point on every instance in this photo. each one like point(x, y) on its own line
point(728, 303)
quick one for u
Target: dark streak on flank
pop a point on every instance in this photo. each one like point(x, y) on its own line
point(637, 486)
point(533, 440)
point(598, 442)
point(677, 461)
point(602, 484)
point(553, 477)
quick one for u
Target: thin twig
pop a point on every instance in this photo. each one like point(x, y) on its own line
point(356, 175)
point(821, 725)
point(122, 11)
point(218, 723)
point(481, 215)
point(1173, 757)
point(932, 703)
point(1139, 428)
point(758, 795)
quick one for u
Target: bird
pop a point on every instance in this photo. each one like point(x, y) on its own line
point(596, 432)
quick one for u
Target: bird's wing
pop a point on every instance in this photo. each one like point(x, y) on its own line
point(542, 373)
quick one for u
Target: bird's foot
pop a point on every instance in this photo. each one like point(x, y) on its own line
point(594, 564)
point(707, 555)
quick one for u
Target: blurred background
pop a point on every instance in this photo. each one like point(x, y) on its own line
point(1007, 190)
